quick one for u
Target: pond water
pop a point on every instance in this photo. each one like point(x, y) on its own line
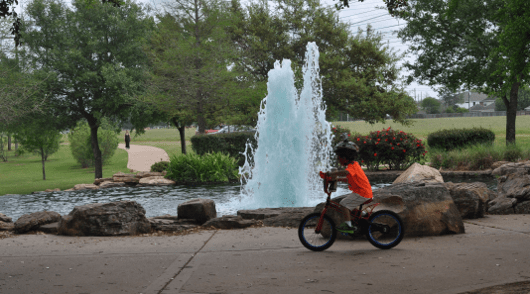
point(156, 200)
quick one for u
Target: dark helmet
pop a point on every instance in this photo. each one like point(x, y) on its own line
point(346, 145)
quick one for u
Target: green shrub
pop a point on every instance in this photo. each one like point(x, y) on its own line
point(458, 138)
point(210, 167)
point(512, 153)
point(160, 166)
point(81, 144)
point(476, 157)
point(395, 148)
point(232, 144)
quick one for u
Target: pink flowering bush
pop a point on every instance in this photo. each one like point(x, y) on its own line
point(395, 148)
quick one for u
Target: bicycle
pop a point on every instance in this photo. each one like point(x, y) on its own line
point(384, 228)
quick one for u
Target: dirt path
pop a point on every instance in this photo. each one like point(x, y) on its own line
point(142, 157)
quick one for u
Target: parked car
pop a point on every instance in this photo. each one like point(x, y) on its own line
point(208, 131)
point(232, 129)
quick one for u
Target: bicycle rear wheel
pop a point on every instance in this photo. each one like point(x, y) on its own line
point(386, 229)
point(313, 240)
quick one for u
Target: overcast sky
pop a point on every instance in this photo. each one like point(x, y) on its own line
point(358, 16)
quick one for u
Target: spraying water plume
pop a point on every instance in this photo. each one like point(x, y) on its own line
point(294, 140)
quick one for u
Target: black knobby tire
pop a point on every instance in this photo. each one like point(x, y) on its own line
point(386, 229)
point(313, 240)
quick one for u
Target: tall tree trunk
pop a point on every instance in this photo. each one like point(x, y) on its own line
point(16, 146)
point(9, 142)
point(511, 114)
point(182, 129)
point(201, 121)
point(43, 160)
point(98, 163)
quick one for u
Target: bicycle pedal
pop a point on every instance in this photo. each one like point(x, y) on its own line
point(344, 234)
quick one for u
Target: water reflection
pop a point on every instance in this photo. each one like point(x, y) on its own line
point(156, 200)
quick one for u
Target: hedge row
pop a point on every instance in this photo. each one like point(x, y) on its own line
point(232, 144)
point(458, 138)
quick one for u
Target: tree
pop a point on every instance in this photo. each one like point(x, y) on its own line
point(523, 100)
point(19, 92)
point(431, 105)
point(79, 138)
point(359, 75)
point(93, 52)
point(39, 136)
point(190, 57)
point(15, 27)
point(471, 44)
point(450, 99)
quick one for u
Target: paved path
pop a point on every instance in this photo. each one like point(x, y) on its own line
point(493, 251)
point(142, 157)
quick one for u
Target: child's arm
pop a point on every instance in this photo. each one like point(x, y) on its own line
point(339, 175)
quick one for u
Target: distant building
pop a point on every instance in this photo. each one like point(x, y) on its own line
point(472, 99)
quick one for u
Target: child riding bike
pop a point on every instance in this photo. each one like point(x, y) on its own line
point(358, 183)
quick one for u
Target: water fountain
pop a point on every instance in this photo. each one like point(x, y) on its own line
point(294, 140)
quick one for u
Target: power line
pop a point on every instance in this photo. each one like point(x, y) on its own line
point(380, 20)
point(358, 13)
point(367, 19)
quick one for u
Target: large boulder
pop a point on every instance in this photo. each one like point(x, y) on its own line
point(512, 167)
point(145, 174)
point(101, 180)
point(170, 223)
point(290, 217)
point(227, 222)
point(497, 164)
point(110, 184)
point(105, 219)
point(513, 194)
point(6, 223)
point(201, 210)
point(428, 208)
point(502, 205)
point(419, 173)
point(471, 199)
point(277, 217)
point(514, 185)
point(33, 221)
point(156, 181)
point(84, 187)
point(125, 178)
point(261, 213)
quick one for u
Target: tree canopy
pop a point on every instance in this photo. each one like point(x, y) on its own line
point(359, 74)
point(477, 45)
point(94, 56)
point(431, 105)
point(190, 56)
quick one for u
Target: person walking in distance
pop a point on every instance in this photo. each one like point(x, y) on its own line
point(127, 139)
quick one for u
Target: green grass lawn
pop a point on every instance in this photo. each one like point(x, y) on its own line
point(158, 135)
point(23, 174)
point(421, 128)
point(172, 148)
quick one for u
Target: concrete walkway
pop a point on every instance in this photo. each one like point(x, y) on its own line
point(142, 157)
point(493, 251)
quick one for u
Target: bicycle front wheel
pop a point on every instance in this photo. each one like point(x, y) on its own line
point(313, 239)
point(386, 229)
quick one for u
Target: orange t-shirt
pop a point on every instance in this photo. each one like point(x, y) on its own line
point(357, 180)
